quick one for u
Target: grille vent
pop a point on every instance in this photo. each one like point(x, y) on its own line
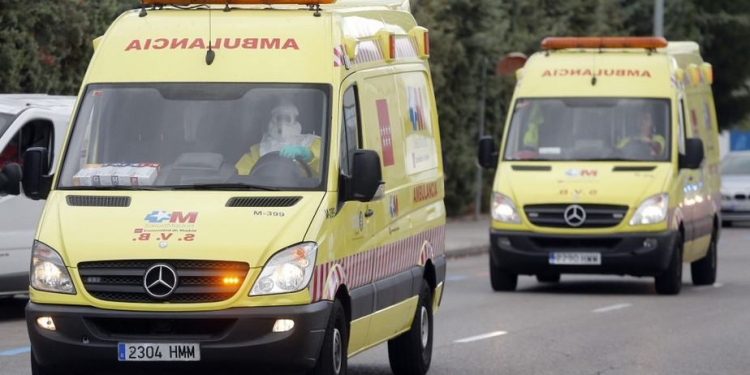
point(263, 201)
point(97, 201)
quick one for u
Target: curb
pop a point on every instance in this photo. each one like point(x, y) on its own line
point(467, 251)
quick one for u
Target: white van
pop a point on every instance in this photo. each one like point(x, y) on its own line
point(26, 120)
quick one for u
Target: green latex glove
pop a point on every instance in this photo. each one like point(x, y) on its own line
point(296, 152)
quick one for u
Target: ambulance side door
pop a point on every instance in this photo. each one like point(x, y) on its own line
point(353, 222)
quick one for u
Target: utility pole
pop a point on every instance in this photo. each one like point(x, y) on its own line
point(658, 17)
point(478, 202)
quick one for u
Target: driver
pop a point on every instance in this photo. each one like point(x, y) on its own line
point(646, 135)
point(284, 134)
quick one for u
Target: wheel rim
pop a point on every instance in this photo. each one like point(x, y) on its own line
point(337, 351)
point(425, 327)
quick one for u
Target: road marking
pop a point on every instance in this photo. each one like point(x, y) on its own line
point(613, 307)
point(8, 353)
point(456, 277)
point(481, 337)
point(705, 287)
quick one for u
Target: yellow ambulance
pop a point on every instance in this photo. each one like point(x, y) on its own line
point(254, 185)
point(608, 164)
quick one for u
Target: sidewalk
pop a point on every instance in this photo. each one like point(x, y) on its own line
point(465, 236)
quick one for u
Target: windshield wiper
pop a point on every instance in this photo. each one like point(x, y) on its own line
point(225, 186)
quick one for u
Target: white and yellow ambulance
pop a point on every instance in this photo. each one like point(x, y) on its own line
point(608, 164)
point(183, 228)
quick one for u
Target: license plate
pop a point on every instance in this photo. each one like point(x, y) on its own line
point(575, 258)
point(158, 352)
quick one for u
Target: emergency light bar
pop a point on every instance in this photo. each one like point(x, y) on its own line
point(223, 2)
point(650, 42)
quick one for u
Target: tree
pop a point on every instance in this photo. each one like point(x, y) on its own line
point(46, 49)
point(462, 33)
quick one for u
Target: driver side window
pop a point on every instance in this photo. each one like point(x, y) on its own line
point(349, 130)
point(36, 133)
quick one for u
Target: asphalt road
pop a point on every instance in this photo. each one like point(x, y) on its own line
point(584, 325)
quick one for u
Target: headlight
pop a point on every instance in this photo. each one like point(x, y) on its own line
point(503, 209)
point(288, 271)
point(653, 210)
point(48, 271)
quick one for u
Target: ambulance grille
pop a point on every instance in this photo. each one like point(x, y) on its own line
point(199, 281)
point(263, 201)
point(97, 201)
point(597, 215)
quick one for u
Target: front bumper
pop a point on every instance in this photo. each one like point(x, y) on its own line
point(731, 215)
point(17, 283)
point(238, 339)
point(527, 253)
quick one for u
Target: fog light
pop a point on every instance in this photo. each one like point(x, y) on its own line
point(283, 325)
point(46, 323)
point(650, 243)
point(503, 242)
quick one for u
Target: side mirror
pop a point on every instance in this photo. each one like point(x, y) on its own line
point(487, 153)
point(36, 184)
point(10, 180)
point(694, 154)
point(367, 180)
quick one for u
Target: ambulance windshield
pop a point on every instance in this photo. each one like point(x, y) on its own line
point(589, 129)
point(199, 135)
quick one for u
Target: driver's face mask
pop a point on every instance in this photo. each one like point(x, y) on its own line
point(284, 125)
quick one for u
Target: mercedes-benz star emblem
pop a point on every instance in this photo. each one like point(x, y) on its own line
point(160, 281)
point(575, 215)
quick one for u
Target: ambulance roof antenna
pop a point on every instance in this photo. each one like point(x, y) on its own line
point(316, 8)
point(143, 12)
point(210, 53)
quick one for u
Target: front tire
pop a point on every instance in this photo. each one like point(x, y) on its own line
point(411, 353)
point(501, 280)
point(670, 282)
point(332, 359)
point(703, 271)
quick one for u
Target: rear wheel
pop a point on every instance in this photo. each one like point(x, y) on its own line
point(333, 357)
point(502, 280)
point(548, 277)
point(670, 282)
point(411, 353)
point(703, 271)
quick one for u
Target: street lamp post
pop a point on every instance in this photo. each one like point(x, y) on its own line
point(658, 17)
point(482, 100)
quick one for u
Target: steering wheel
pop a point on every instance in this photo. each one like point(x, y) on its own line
point(280, 165)
point(638, 149)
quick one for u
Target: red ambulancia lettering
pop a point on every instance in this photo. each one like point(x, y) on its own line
point(425, 192)
point(161, 43)
point(600, 72)
point(179, 43)
point(199, 43)
point(179, 216)
point(270, 43)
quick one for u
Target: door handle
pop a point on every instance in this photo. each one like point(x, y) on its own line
point(369, 212)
